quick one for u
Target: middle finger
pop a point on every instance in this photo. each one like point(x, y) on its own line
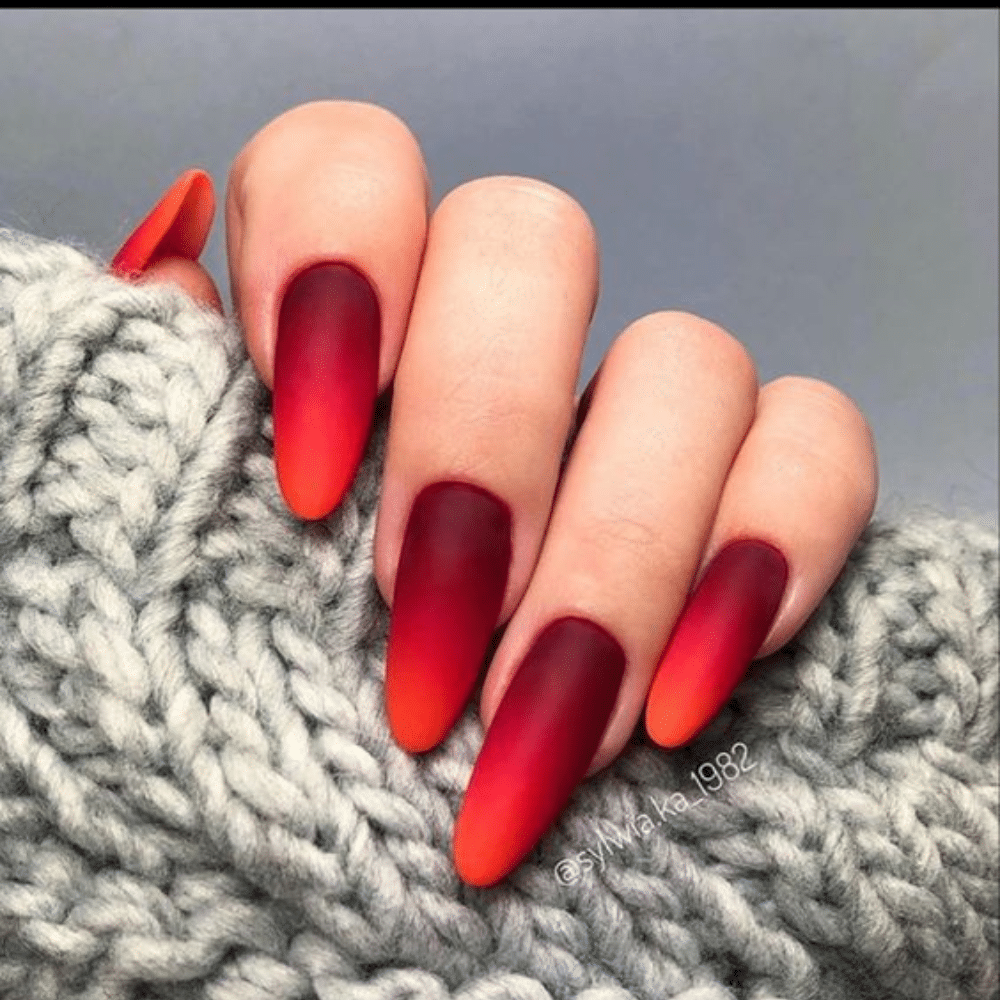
point(482, 404)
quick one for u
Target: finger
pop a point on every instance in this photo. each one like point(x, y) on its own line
point(481, 408)
point(177, 226)
point(801, 490)
point(326, 215)
point(674, 398)
point(188, 275)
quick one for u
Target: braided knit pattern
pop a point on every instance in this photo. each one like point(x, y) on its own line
point(199, 795)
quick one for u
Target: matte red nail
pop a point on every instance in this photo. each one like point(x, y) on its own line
point(719, 632)
point(177, 226)
point(325, 382)
point(449, 588)
point(542, 740)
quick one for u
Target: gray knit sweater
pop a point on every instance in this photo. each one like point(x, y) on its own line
point(199, 795)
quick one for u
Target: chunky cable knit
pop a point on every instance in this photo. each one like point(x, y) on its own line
point(199, 795)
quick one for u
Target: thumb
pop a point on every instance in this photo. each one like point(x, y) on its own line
point(166, 245)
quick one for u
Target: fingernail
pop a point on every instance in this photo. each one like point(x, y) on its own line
point(542, 739)
point(718, 633)
point(325, 382)
point(449, 587)
point(177, 226)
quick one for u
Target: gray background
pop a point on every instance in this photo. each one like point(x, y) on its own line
point(823, 184)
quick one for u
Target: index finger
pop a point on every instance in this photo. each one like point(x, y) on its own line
point(326, 217)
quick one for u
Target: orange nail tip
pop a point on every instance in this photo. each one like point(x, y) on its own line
point(177, 226)
point(305, 501)
point(671, 731)
point(475, 863)
point(416, 702)
point(416, 732)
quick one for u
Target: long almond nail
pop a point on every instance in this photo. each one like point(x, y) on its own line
point(543, 738)
point(177, 226)
point(719, 632)
point(449, 588)
point(325, 382)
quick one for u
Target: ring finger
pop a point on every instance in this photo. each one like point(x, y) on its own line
point(673, 401)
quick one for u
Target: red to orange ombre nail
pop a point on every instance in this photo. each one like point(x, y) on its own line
point(543, 738)
point(177, 226)
point(449, 587)
point(720, 630)
point(325, 383)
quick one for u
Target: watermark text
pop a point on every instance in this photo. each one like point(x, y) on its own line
point(708, 778)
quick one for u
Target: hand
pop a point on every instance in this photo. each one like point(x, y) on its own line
point(684, 476)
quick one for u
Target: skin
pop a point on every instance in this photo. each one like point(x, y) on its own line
point(485, 307)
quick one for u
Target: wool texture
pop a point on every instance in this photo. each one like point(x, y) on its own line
point(200, 796)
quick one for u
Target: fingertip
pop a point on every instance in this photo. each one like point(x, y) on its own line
point(189, 275)
point(177, 226)
point(328, 182)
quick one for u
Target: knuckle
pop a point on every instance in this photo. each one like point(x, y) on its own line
point(373, 115)
point(618, 533)
point(816, 391)
point(525, 197)
point(666, 339)
point(829, 404)
point(308, 141)
point(829, 427)
point(360, 117)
